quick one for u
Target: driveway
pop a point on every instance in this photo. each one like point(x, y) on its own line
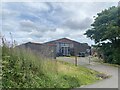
point(111, 82)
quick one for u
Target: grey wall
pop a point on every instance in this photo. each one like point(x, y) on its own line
point(40, 49)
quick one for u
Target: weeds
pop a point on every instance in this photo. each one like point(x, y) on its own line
point(21, 68)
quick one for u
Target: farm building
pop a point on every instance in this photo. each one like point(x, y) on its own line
point(60, 47)
point(66, 47)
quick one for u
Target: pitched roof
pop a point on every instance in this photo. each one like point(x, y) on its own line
point(62, 40)
point(29, 43)
point(53, 43)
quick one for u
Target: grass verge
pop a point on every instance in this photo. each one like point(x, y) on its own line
point(23, 69)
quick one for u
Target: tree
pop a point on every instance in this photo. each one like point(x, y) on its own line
point(105, 32)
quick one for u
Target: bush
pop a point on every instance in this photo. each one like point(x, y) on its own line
point(111, 54)
point(21, 68)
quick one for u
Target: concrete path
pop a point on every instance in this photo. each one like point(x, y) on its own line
point(111, 82)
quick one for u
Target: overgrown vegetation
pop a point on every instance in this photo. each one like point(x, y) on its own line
point(23, 69)
point(106, 34)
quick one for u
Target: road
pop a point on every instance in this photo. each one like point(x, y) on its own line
point(111, 82)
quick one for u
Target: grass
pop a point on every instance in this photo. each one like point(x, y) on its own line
point(83, 75)
point(23, 69)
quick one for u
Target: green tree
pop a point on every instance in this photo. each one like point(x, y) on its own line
point(105, 32)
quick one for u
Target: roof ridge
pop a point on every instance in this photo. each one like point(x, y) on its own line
point(61, 39)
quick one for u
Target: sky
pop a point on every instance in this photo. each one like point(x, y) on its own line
point(45, 21)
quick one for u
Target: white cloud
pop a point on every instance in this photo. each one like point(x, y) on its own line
point(27, 23)
point(41, 22)
point(37, 6)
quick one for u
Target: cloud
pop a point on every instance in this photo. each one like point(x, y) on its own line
point(41, 22)
point(37, 7)
point(74, 24)
point(27, 23)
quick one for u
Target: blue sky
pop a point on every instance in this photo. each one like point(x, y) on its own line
point(42, 22)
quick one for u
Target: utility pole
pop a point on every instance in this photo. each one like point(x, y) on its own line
point(12, 40)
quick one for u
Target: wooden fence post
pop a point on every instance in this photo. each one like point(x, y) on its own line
point(75, 60)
